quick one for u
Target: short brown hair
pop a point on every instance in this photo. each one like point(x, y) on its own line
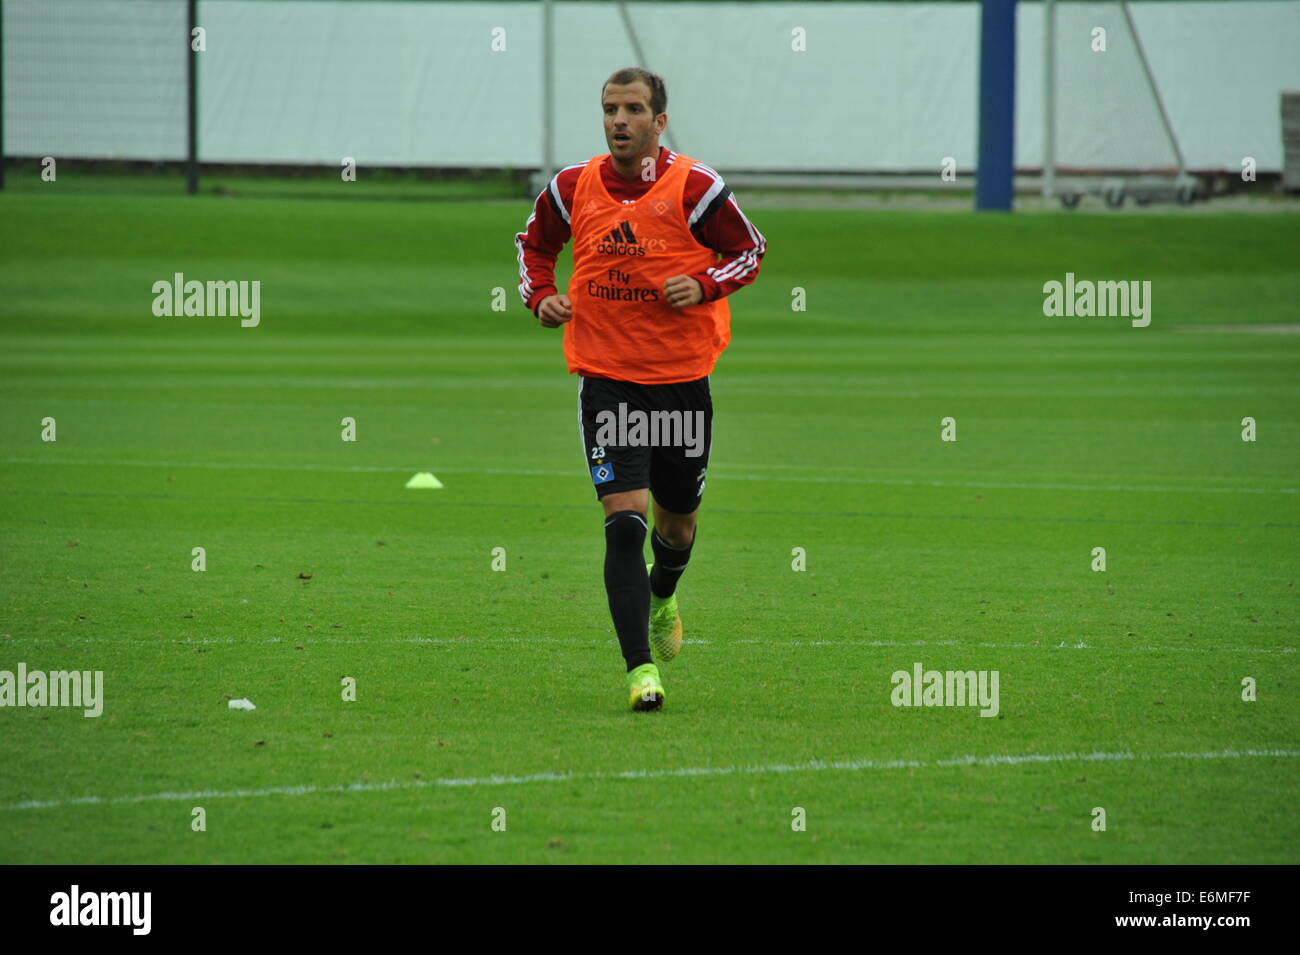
point(653, 81)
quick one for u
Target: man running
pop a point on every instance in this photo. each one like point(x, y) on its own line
point(658, 244)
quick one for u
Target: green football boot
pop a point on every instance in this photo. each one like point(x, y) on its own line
point(665, 625)
point(644, 690)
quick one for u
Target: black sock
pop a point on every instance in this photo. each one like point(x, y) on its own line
point(626, 585)
point(670, 564)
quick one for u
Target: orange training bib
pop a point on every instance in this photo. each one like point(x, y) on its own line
point(622, 325)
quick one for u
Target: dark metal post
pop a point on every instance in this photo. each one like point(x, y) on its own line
point(192, 119)
point(997, 120)
point(2, 94)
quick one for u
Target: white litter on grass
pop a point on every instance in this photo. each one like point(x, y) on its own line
point(242, 705)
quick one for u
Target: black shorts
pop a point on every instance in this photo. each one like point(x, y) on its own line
point(647, 436)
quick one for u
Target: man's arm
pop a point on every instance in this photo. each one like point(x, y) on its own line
point(716, 221)
point(543, 238)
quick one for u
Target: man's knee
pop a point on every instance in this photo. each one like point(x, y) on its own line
point(677, 530)
point(624, 501)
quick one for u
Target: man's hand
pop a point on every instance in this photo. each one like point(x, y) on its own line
point(682, 290)
point(554, 311)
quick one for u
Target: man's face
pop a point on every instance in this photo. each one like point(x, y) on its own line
point(631, 128)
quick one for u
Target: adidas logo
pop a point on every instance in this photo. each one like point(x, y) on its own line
point(620, 241)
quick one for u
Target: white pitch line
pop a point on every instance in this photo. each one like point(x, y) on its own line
point(854, 765)
point(776, 476)
point(216, 465)
point(1005, 646)
point(772, 644)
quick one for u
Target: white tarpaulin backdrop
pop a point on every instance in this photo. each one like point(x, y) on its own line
point(880, 86)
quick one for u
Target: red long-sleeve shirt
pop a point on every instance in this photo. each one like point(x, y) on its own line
point(710, 210)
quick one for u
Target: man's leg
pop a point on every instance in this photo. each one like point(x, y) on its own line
point(626, 582)
point(676, 484)
point(677, 487)
point(671, 540)
point(621, 477)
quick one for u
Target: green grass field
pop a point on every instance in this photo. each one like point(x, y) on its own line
point(479, 689)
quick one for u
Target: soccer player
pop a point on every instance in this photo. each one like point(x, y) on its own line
point(658, 244)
